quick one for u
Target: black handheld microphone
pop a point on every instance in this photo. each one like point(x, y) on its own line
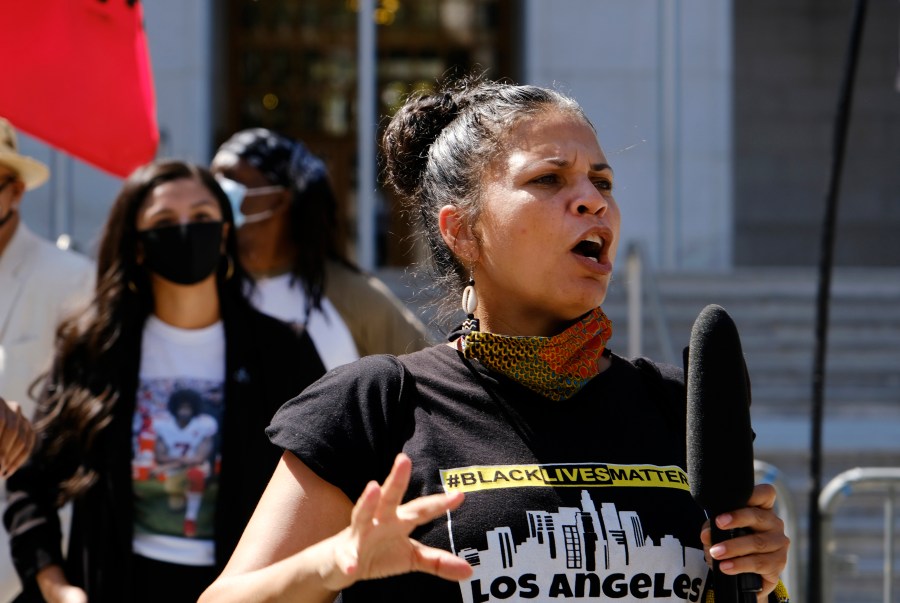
point(719, 437)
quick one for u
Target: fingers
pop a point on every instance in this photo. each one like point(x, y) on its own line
point(763, 496)
point(18, 456)
point(346, 557)
point(440, 563)
point(758, 515)
point(383, 503)
point(17, 437)
point(424, 509)
point(25, 440)
point(377, 542)
point(761, 553)
point(364, 510)
point(73, 594)
point(706, 534)
point(764, 551)
point(394, 487)
point(706, 540)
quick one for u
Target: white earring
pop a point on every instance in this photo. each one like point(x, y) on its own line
point(469, 305)
point(470, 299)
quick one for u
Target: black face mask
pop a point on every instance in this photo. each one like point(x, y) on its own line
point(184, 254)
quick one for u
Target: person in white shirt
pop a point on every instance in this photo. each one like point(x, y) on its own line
point(39, 286)
point(288, 236)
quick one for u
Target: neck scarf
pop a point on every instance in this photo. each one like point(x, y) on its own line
point(556, 367)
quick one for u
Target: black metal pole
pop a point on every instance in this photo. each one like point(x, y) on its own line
point(842, 119)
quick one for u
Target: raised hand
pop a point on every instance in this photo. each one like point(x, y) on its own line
point(17, 437)
point(55, 588)
point(764, 552)
point(377, 542)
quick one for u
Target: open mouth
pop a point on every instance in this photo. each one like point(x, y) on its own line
point(591, 248)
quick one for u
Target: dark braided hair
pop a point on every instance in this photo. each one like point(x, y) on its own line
point(314, 223)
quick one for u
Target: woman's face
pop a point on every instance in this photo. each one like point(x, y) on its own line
point(181, 234)
point(548, 228)
point(262, 198)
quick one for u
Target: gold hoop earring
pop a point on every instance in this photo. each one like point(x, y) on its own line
point(131, 286)
point(230, 271)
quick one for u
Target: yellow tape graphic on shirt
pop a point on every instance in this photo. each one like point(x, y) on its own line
point(591, 475)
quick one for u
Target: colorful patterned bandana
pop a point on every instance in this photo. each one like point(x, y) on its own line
point(556, 367)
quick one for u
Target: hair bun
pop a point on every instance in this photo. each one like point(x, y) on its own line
point(410, 134)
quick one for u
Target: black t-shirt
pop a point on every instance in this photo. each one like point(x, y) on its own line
point(580, 500)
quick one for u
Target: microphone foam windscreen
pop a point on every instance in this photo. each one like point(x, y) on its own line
point(719, 436)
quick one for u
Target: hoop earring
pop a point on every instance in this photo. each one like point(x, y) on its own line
point(469, 305)
point(131, 286)
point(230, 271)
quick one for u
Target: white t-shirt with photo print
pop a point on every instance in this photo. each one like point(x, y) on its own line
point(176, 434)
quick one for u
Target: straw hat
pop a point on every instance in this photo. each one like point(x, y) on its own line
point(31, 171)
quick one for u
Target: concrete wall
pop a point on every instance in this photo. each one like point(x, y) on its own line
point(655, 78)
point(77, 198)
point(789, 63)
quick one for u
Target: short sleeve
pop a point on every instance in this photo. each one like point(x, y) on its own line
point(349, 425)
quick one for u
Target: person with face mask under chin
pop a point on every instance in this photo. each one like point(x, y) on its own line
point(290, 241)
point(152, 419)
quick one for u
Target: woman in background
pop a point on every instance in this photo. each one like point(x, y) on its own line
point(288, 238)
point(152, 421)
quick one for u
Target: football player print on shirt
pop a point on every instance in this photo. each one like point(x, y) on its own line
point(175, 460)
point(184, 444)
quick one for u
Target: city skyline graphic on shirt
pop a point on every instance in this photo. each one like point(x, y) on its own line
point(582, 553)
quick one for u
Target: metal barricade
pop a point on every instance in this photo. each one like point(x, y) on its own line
point(766, 473)
point(869, 480)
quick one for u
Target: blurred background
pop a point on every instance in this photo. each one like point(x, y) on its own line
point(717, 116)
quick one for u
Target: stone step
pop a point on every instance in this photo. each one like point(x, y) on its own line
point(847, 282)
point(757, 325)
point(775, 314)
point(786, 405)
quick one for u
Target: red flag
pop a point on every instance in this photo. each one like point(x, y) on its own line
point(76, 74)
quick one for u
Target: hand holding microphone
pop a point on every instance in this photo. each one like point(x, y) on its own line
point(720, 463)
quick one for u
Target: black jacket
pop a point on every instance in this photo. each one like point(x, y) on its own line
point(267, 363)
